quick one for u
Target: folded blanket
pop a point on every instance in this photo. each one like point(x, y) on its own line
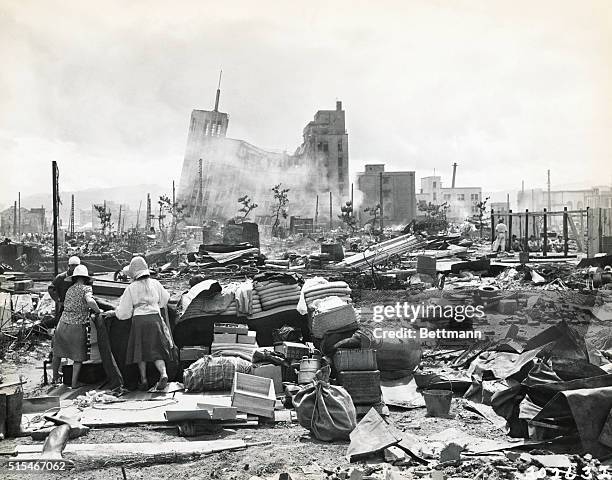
point(324, 286)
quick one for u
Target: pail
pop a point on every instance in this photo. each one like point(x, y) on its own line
point(438, 402)
point(308, 369)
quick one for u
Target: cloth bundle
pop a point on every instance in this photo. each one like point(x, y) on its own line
point(211, 373)
point(275, 294)
point(318, 288)
point(256, 304)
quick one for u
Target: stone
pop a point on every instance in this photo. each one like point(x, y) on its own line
point(451, 453)
point(394, 454)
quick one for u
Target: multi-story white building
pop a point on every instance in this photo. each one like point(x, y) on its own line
point(461, 201)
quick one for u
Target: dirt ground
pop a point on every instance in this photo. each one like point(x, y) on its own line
point(291, 446)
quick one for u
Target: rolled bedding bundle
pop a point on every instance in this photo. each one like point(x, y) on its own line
point(280, 301)
point(279, 289)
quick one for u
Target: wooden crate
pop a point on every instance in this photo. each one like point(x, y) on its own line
point(235, 328)
point(249, 338)
point(362, 386)
point(292, 350)
point(225, 338)
point(253, 394)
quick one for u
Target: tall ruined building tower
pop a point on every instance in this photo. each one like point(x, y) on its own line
point(217, 170)
point(326, 143)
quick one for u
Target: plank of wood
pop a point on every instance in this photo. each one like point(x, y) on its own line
point(40, 404)
point(100, 450)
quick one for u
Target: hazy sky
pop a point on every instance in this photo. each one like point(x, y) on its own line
point(507, 89)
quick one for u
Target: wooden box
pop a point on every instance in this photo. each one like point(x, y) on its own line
point(274, 372)
point(253, 394)
point(191, 354)
point(249, 338)
point(225, 338)
point(292, 350)
point(234, 328)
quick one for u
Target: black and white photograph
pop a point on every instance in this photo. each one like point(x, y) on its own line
point(275, 240)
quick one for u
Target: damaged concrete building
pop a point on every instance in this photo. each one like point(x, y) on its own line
point(398, 194)
point(217, 170)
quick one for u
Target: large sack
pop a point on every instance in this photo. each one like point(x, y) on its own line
point(212, 372)
point(326, 410)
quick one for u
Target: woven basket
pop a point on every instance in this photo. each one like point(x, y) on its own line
point(322, 322)
point(363, 387)
point(355, 359)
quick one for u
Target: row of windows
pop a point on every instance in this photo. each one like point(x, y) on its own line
point(474, 197)
point(212, 128)
point(324, 146)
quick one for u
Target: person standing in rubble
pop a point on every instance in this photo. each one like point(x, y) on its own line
point(70, 337)
point(145, 301)
point(60, 285)
point(500, 240)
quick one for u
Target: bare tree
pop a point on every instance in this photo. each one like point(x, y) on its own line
point(279, 208)
point(247, 206)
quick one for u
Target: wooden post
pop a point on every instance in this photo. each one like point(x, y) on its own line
point(316, 219)
point(545, 244)
point(330, 211)
point(509, 229)
point(600, 231)
point(588, 240)
point(15, 220)
point(54, 177)
point(527, 230)
point(492, 226)
point(380, 178)
point(565, 239)
point(19, 215)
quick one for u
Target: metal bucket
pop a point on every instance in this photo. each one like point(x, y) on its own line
point(308, 369)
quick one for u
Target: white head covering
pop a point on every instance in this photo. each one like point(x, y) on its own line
point(74, 260)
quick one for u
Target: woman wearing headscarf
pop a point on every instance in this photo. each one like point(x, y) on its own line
point(70, 338)
point(145, 301)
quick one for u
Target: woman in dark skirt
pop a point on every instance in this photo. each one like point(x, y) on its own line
point(70, 337)
point(145, 301)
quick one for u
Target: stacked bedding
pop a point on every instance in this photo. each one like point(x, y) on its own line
point(256, 306)
point(273, 294)
point(329, 289)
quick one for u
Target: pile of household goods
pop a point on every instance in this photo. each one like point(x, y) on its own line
point(329, 375)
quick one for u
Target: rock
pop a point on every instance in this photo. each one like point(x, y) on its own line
point(394, 454)
point(355, 474)
point(451, 453)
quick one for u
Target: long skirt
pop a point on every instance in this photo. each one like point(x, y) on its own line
point(147, 341)
point(70, 341)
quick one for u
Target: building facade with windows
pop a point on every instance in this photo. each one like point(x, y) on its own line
point(218, 170)
point(398, 194)
point(461, 201)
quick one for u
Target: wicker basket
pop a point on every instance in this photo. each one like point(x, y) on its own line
point(355, 359)
point(332, 319)
point(362, 386)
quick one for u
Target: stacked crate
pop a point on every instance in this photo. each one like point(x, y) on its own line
point(359, 375)
point(233, 336)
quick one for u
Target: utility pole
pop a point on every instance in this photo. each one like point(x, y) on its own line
point(380, 178)
point(138, 216)
point(71, 221)
point(316, 219)
point(148, 219)
point(201, 187)
point(19, 214)
point(549, 203)
point(454, 174)
point(173, 205)
point(15, 219)
point(55, 180)
point(119, 221)
point(330, 211)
